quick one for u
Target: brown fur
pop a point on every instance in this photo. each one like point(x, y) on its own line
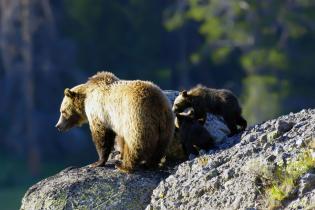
point(136, 112)
point(102, 79)
point(120, 146)
point(216, 101)
point(175, 151)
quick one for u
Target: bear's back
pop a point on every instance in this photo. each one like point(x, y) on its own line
point(123, 100)
point(138, 91)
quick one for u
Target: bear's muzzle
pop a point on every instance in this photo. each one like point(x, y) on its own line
point(61, 125)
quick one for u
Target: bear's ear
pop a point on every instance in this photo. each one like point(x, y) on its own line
point(184, 93)
point(69, 93)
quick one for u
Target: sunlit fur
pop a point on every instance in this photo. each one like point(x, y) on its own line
point(180, 103)
point(137, 111)
point(72, 109)
point(102, 79)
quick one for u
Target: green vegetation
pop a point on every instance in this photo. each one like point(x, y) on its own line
point(285, 177)
point(279, 182)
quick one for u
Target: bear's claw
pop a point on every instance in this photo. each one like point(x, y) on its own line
point(121, 168)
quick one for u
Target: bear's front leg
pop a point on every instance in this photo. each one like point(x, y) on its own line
point(103, 139)
point(129, 160)
point(189, 147)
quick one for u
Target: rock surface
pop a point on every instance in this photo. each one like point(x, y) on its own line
point(86, 188)
point(224, 178)
point(227, 178)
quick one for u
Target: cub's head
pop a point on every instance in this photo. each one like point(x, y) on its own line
point(187, 118)
point(72, 108)
point(182, 101)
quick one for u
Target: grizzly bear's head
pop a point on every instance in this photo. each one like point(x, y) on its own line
point(182, 101)
point(72, 108)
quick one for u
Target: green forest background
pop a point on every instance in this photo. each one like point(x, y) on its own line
point(261, 50)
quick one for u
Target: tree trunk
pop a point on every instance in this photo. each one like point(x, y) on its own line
point(20, 21)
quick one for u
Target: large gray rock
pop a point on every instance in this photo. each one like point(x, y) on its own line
point(86, 188)
point(227, 178)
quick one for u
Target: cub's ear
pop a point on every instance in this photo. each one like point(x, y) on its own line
point(184, 93)
point(69, 93)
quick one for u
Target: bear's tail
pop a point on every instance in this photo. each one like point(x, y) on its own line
point(242, 123)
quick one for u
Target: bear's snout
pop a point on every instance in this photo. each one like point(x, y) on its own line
point(58, 127)
point(60, 124)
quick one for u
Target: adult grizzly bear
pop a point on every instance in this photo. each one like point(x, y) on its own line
point(216, 101)
point(137, 112)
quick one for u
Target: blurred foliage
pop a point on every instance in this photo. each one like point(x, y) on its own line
point(263, 95)
point(121, 36)
point(274, 39)
point(129, 38)
point(14, 179)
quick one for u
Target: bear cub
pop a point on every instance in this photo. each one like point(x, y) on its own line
point(216, 101)
point(193, 135)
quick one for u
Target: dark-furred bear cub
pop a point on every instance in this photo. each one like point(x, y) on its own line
point(193, 135)
point(216, 101)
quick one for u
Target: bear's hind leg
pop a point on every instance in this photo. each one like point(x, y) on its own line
point(129, 160)
point(155, 159)
point(159, 149)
